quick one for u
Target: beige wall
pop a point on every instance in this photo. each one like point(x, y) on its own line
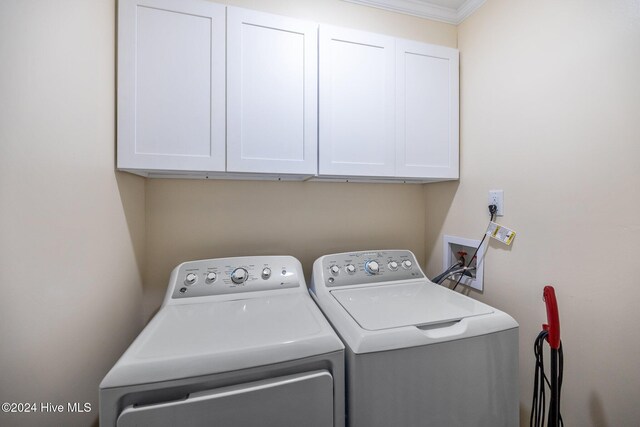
point(550, 112)
point(204, 219)
point(189, 220)
point(71, 229)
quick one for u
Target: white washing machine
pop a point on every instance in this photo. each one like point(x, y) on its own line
point(236, 342)
point(417, 354)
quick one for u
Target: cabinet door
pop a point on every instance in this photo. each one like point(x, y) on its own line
point(272, 80)
point(171, 85)
point(357, 103)
point(427, 110)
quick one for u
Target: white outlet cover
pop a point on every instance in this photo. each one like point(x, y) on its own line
point(448, 259)
point(496, 197)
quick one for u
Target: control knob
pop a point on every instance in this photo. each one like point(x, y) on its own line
point(190, 279)
point(350, 268)
point(406, 264)
point(393, 265)
point(266, 273)
point(334, 270)
point(372, 267)
point(211, 276)
point(239, 276)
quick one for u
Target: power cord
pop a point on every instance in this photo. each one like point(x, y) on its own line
point(492, 210)
point(540, 382)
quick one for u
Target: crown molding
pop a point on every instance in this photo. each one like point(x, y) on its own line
point(467, 8)
point(424, 9)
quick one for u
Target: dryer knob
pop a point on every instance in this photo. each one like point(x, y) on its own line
point(372, 267)
point(239, 275)
point(190, 279)
point(407, 264)
point(211, 277)
point(393, 265)
point(334, 270)
point(350, 268)
point(266, 273)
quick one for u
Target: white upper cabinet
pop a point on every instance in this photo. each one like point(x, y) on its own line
point(171, 85)
point(426, 111)
point(272, 81)
point(357, 103)
point(206, 90)
point(388, 107)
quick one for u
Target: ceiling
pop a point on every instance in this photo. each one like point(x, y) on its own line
point(450, 11)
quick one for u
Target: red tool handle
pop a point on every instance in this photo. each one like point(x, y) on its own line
point(553, 319)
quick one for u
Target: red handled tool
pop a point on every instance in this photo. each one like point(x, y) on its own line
point(553, 319)
point(550, 333)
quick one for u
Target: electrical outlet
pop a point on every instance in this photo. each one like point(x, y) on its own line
point(496, 197)
point(452, 247)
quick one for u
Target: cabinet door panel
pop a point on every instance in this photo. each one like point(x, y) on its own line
point(171, 77)
point(356, 103)
point(427, 111)
point(272, 93)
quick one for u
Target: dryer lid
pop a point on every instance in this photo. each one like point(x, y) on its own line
point(408, 304)
point(198, 339)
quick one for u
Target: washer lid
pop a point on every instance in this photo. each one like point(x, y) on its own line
point(409, 304)
point(206, 338)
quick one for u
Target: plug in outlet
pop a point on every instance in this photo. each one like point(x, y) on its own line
point(455, 247)
point(496, 197)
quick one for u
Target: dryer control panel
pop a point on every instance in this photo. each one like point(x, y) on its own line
point(358, 268)
point(234, 275)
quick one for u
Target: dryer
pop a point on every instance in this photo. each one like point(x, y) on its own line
point(417, 354)
point(236, 342)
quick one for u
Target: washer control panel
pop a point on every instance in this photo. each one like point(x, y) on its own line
point(234, 275)
point(358, 268)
